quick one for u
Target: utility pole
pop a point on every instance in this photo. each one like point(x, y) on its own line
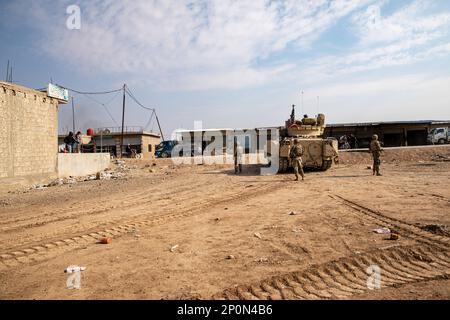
point(7, 72)
point(159, 126)
point(123, 122)
point(73, 117)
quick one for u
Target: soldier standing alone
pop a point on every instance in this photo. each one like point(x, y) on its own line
point(375, 149)
point(295, 155)
point(238, 155)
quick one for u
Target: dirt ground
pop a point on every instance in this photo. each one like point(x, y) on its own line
point(201, 232)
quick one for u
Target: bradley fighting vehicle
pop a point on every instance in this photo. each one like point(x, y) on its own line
point(319, 153)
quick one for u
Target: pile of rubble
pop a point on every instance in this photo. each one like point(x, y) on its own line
point(106, 174)
point(121, 165)
point(440, 158)
point(438, 229)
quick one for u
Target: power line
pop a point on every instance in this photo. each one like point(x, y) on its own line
point(97, 92)
point(104, 105)
point(124, 89)
point(150, 120)
point(128, 91)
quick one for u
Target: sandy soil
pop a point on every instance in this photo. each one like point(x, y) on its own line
point(203, 232)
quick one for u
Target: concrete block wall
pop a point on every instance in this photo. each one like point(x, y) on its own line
point(82, 164)
point(28, 132)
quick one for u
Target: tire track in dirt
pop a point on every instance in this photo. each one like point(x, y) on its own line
point(80, 209)
point(139, 210)
point(407, 229)
point(340, 279)
point(347, 276)
point(140, 200)
point(39, 251)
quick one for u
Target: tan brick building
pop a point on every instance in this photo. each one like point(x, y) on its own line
point(28, 132)
point(109, 140)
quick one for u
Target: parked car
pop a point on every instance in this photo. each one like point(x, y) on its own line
point(439, 136)
point(164, 149)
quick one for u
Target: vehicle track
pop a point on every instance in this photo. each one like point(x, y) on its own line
point(42, 250)
point(139, 211)
point(346, 277)
point(79, 209)
point(100, 217)
point(406, 229)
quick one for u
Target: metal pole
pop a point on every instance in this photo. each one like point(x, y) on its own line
point(123, 122)
point(73, 117)
point(159, 126)
point(7, 72)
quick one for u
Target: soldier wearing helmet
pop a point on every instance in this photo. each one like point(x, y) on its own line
point(295, 155)
point(375, 149)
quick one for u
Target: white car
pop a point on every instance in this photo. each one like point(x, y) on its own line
point(439, 136)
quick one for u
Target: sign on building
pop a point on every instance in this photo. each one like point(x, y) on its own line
point(57, 92)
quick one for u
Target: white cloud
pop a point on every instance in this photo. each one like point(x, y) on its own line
point(408, 23)
point(406, 37)
point(195, 45)
point(228, 44)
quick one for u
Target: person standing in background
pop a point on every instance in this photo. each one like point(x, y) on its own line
point(69, 140)
point(375, 149)
point(77, 142)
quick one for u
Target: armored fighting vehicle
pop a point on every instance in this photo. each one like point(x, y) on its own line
point(319, 153)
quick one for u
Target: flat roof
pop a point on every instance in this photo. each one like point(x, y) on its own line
point(127, 133)
point(367, 124)
point(20, 88)
point(203, 130)
point(225, 129)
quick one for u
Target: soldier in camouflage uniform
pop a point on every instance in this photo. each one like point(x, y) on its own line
point(375, 149)
point(295, 156)
point(238, 157)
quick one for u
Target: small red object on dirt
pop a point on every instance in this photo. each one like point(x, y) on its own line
point(105, 240)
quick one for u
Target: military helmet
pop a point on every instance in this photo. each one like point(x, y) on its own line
point(375, 137)
point(295, 141)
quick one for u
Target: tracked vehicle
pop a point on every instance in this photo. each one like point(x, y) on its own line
point(319, 153)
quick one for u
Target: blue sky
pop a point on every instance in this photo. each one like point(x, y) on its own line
point(236, 63)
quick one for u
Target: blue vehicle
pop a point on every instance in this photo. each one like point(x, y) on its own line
point(164, 149)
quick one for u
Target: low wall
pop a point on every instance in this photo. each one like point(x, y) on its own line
point(81, 164)
point(252, 158)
